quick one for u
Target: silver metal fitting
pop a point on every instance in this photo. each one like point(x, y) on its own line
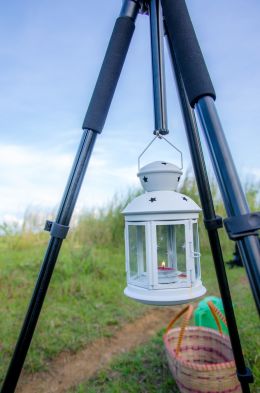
point(129, 6)
point(144, 7)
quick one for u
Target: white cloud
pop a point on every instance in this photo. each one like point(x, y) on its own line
point(253, 173)
point(36, 178)
point(25, 157)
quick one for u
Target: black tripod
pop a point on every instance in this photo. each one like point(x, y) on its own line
point(195, 92)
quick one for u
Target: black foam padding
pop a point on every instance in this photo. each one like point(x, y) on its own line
point(189, 57)
point(109, 74)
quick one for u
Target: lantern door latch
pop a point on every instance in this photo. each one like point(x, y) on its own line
point(56, 230)
point(238, 227)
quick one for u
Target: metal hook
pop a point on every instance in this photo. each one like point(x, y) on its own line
point(160, 136)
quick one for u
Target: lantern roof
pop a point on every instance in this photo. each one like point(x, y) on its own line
point(161, 202)
point(159, 166)
point(159, 175)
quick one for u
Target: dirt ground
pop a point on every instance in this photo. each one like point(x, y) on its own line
point(68, 370)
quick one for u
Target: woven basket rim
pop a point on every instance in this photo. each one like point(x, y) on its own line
point(201, 367)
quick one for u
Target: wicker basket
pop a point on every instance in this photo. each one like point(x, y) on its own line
point(200, 359)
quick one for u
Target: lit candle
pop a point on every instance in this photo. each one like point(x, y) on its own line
point(166, 275)
point(163, 267)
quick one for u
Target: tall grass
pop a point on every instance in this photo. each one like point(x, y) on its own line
point(105, 226)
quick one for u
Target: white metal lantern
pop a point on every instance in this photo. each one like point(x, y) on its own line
point(162, 243)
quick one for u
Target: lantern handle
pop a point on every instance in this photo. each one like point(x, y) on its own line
point(160, 136)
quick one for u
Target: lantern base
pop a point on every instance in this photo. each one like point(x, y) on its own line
point(165, 297)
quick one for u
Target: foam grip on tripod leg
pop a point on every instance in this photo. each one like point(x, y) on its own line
point(109, 74)
point(188, 54)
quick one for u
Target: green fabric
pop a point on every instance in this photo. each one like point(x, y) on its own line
point(203, 316)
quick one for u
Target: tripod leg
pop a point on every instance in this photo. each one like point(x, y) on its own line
point(231, 189)
point(51, 255)
point(200, 94)
point(210, 217)
point(93, 124)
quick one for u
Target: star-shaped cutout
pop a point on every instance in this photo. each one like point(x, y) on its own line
point(185, 199)
point(145, 179)
point(152, 200)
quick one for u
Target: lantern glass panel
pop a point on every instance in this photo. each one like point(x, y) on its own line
point(196, 248)
point(137, 255)
point(171, 253)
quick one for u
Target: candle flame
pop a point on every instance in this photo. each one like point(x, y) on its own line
point(163, 264)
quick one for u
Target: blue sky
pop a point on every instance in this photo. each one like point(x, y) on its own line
point(50, 56)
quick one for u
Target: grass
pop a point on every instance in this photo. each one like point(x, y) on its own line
point(85, 299)
point(145, 370)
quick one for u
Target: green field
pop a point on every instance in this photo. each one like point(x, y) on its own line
point(85, 300)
